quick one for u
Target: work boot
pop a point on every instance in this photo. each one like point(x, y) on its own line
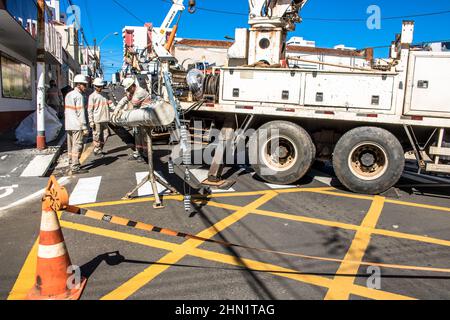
point(99, 153)
point(140, 159)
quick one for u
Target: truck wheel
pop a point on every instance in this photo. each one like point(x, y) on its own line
point(368, 160)
point(281, 152)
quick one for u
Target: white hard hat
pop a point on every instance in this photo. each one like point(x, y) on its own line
point(127, 83)
point(99, 82)
point(79, 78)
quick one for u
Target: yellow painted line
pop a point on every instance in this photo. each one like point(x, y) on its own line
point(340, 288)
point(25, 280)
point(319, 189)
point(140, 280)
point(248, 264)
point(392, 201)
point(345, 195)
point(352, 227)
point(418, 205)
point(213, 196)
point(293, 274)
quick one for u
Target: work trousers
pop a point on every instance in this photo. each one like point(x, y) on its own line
point(75, 141)
point(100, 136)
point(140, 142)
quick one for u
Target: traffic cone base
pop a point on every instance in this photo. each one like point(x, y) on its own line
point(53, 270)
point(71, 294)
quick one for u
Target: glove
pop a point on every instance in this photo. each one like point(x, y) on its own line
point(85, 133)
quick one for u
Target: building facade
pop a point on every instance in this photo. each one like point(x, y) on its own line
point(18, 48)
point(194, 51)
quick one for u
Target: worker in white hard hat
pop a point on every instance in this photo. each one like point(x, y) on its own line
point(75, 123)
point(135, 98)
point(98, 112)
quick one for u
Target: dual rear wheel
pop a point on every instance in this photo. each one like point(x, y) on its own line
point(366, 160)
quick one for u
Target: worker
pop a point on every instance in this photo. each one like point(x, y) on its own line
point(98, 114)
point(137, 98)
point(54, 98)
point(75, 122)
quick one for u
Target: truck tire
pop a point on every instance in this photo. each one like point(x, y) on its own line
point(368, 160)
point(290, 160)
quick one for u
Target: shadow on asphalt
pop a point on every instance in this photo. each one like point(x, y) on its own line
point(115, 259)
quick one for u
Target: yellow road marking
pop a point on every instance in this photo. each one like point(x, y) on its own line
point(370, 198)
point(25, 279)
point(418, 205)
point(213, 196)
point(346, 226)
point(340, 288)
point(249, 264)
point(140, 280)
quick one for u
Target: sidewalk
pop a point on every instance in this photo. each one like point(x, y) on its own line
point(23, 169)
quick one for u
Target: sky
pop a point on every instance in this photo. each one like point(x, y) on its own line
point(102, 17)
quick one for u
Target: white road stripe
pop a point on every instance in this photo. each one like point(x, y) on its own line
point(320, 176)
point(146, 189)
point(85, 191)
point(279, 186)
point(38, 166)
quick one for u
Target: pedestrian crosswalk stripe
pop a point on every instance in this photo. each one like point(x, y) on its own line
point(320, 176)
point(85, 191)
point(146, 189)
point(279, 186)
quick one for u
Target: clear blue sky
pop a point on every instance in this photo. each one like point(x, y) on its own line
point(103, 16)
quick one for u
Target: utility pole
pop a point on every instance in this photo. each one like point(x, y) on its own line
point(40, 114)
point(95, 57)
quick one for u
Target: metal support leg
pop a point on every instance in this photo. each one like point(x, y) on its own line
point(157, 204)
point(439, 144)
point(226, 137)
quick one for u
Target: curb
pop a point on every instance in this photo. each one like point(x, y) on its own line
point(61, 141)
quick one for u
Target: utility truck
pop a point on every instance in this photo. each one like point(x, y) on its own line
point(363, 119)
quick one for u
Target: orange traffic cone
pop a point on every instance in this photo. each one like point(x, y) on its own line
point(53, 275)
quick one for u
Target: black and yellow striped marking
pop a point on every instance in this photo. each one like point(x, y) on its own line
point(151, 228)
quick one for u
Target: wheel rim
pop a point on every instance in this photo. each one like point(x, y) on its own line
point(368, 161)
point(279, 156)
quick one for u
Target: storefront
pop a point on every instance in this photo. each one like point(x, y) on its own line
point(18, 48)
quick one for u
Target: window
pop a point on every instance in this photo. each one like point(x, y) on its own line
point(16, 79)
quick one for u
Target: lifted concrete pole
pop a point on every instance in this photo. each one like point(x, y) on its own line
point(40, 96)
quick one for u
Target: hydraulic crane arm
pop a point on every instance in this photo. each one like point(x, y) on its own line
point(275, 13)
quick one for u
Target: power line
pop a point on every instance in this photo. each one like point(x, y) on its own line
point(329, 19)
point(128, 11)
point(86, 6)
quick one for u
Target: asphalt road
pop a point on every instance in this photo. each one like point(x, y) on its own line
point(328, 240)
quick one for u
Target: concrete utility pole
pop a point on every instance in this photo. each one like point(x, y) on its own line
point(40, 97)
point(95, 57)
